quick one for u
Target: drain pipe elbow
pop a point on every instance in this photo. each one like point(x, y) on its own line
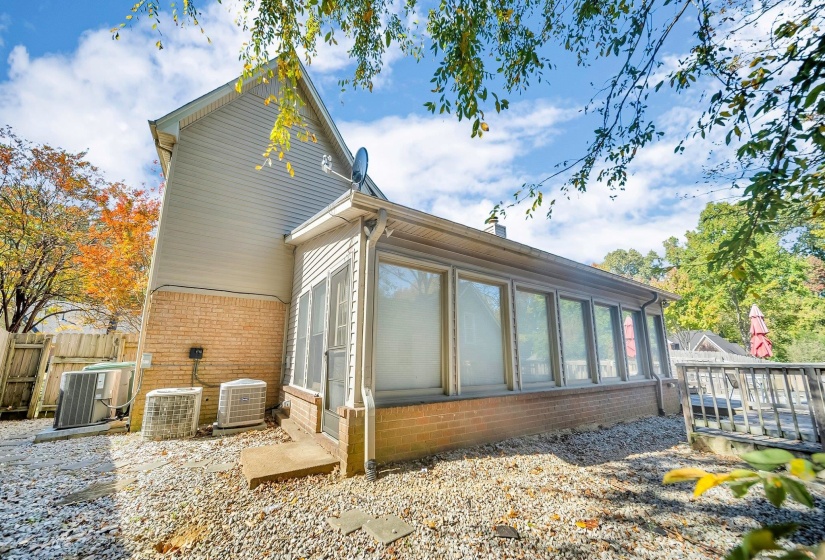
point(660, 393)
point(373, 235)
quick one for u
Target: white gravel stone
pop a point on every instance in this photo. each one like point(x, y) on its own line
point(607, 480)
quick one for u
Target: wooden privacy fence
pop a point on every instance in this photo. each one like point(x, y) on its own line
point(24, 363)
point(768, 403)
point(31, 365)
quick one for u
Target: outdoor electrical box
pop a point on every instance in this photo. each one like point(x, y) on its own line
point(196, 353)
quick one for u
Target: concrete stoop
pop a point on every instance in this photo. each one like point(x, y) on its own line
point(285, 460)
point(291, 427)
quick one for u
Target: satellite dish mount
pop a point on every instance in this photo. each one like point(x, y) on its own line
point(359, 168)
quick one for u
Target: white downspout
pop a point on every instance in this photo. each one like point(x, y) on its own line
point(373, 235)
point(660, 394)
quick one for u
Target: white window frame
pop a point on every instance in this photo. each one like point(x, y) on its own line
point(618, 339)
point(391, 258)
point(589, 337)
point(664, 357)
point(507, 330)
point(308, 294)
point(550, 296)
point(325, 335)
point(641, 349)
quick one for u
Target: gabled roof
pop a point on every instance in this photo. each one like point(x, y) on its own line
point(353, 205)
point(724, 345)
point(166, 129)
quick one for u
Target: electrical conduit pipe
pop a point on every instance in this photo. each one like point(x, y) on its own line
point(373, 235)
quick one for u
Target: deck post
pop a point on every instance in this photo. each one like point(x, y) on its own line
point(817, 402)
point(684, 396)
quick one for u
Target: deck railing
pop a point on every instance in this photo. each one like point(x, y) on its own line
point(762, 399)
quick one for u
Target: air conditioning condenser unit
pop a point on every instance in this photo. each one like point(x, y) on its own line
point(171, 413)
point(86, 398)
point(242, 403)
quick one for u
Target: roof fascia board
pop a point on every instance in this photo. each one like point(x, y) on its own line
point(430, 221)
point(369, 204)
point(322, 222)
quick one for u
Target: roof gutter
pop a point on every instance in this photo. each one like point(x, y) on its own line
point(660, 394)
point(373, 234)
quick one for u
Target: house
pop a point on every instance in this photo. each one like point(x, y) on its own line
point(390, 332)
point(706, 341)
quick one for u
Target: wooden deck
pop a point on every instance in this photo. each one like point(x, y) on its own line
point(780, 424)
point(770, 405)
point(806, 447)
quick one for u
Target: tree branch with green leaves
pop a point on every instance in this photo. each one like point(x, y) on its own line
point(762, 95)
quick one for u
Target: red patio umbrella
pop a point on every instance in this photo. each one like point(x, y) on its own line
point(629, 337)
point(761, 347)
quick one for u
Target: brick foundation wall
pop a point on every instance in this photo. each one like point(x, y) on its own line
point(304, 408)
point(240, 338)
point(413, 431)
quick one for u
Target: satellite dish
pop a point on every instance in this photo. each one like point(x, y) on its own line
point(359, 167)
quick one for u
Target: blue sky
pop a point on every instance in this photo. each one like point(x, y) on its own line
point(65, 82)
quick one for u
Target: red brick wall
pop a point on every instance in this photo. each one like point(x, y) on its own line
point(240, 338)
point(408, 432)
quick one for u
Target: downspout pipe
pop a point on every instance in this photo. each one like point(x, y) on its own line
point(373, 234)
point(660, 394)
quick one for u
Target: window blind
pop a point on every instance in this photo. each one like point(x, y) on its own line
point(408, 329)
point(482, 354)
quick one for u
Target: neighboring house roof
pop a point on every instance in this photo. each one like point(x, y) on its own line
point(712, 342)
point(166, 129)
point(353, 205)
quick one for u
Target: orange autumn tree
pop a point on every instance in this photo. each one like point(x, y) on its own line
point(70, 242)
point(117, 257)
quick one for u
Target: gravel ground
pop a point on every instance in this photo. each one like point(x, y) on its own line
point(593, 494)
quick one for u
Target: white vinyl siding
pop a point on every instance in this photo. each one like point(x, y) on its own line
point(314, 261)
point(481, 334)
point(223, 222)
point(409, 338)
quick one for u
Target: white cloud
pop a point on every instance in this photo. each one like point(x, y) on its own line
point(100, 96)
point(432, 164)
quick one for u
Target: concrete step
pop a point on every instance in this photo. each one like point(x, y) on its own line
point(291, 427)
point(285, 460)
point(50, 434)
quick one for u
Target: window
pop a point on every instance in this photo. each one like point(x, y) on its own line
point(575, 348)
point(409, 341)
point(630, 327)
point(654, 329)
point(316, 338)
point(532, 313)
point(606, 335)
point(339, 308)
point(481, 356)
point(299, 377)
